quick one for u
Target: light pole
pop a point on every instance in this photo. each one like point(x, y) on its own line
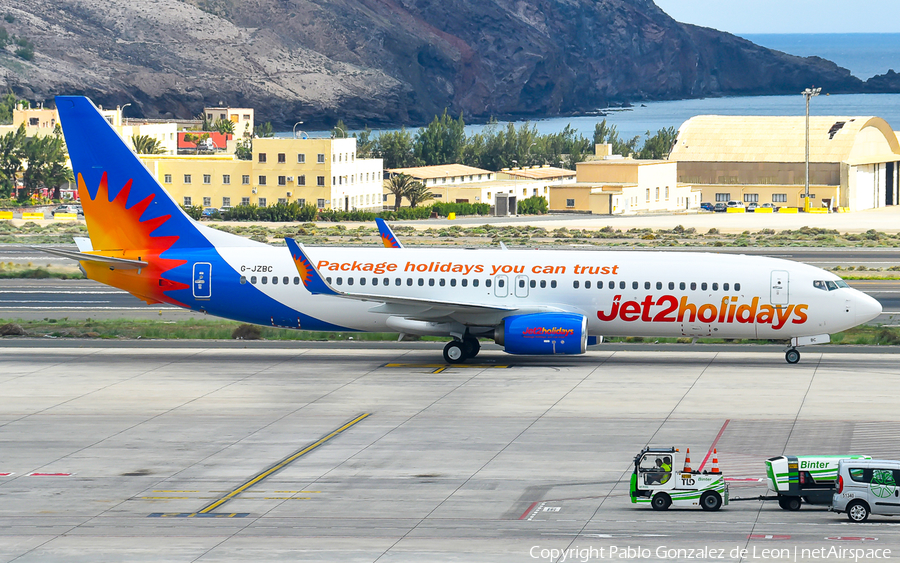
point(295, 130)
point(121, 111)
point(342, 131)
point(807, 94)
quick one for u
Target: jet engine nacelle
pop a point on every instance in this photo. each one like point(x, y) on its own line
point(543, 333)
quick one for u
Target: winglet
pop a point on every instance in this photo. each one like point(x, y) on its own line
point(387, 235)
point(312, 280)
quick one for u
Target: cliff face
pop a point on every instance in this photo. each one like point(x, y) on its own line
point(380, 62)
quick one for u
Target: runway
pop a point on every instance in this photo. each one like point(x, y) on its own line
point(362, 454)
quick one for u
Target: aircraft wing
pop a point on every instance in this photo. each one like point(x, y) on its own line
point(411, 307)
point(387, 235)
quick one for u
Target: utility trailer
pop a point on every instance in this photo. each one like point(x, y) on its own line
point(654, 482)
point(808, 478)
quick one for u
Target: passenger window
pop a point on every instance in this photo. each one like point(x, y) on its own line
point(671, 285)
point(658, 285)
point(600, 284)
point(453, 282)
point(693, 286)
point(737, 287)
point(349, 281)
point(533, 284)
point(725, 287)
point(646, 285)
point(328, 279)
point(430, 282)
point(682, 286)
point(296, 280)
point(253, 280)
point(443, 282)
point(265, 280)
point(397, 281)
point(374, 281)
point(635, 285)
point(421, 282)
point(243, 279)
point(552, 284)
point(543, 284)
point(475, 283)
point(715, 287)
point(621, 285)
point(703, 286)
point(575, 284)
point(274, 280)
point(857, 474)
point(521, 283)
point(587, 284)
point(487, 282)
point(362, 281)
point(286, 280)
point(465, 282)
point(386, 281)
point(409, 281)
point(500, 282)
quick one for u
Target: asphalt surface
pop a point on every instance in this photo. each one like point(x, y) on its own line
point(233, 452)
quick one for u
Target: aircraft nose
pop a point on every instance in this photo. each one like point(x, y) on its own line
point(867, 307)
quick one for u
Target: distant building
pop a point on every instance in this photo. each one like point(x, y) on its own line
point(243, 119)
point(321, 172)
point(613, 185)
point(762, 159)
point(458, 183)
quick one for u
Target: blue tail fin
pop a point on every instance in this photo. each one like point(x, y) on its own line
point(124, 206)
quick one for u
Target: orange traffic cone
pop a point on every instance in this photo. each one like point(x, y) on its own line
point(715, 467)
point(687, 461)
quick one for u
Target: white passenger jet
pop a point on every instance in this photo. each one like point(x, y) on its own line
point(528, 301)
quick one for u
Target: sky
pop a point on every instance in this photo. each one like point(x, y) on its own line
point(787, 16)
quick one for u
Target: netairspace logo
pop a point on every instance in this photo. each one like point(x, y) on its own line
point(663, 553)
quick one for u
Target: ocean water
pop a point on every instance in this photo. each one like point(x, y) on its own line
point(863, 54)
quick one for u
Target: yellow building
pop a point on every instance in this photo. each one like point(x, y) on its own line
point(618, 185)
point(322, 172)
point(243, 119)
point(853, 160)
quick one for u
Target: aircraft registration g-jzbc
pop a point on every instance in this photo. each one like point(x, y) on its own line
point(528, 301)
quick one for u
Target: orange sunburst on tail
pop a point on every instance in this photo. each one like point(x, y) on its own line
point(117, 230)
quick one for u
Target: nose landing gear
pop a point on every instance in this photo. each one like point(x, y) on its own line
point(792, 355)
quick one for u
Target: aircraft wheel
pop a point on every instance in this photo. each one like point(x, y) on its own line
point(472, 347)
point(454, 352)
point(710, 500)
point(660, 501)
point(792, 356)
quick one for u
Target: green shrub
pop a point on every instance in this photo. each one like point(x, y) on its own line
point(534, 205)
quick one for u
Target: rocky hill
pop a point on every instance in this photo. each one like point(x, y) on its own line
point(386, 62)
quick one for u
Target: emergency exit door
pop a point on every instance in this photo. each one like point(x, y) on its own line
point(779, 293)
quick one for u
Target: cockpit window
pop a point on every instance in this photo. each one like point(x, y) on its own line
point(829, 285)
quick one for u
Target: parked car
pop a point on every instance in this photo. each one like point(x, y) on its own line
point(734, 203)
point(76, 209)
point(751, 207)
point(224, 209)
point(210, 212)
point(720, 207)
point(867, 486)
point(770, 205)
point(706, 206)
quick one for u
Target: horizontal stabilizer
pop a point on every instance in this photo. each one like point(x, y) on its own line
point(121, 263)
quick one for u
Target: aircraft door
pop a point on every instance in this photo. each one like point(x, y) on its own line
point(521, 286)
point(780, 283)
point(501, 286)
point(202, 280)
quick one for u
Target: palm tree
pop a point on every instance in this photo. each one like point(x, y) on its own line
point(224, 126)
point(399, 186)
point(417, 193)
point(12, 153)
point(145, 144)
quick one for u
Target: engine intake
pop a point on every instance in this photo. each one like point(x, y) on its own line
point(543, 333)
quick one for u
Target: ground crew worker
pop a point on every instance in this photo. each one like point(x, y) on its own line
point(666, 466)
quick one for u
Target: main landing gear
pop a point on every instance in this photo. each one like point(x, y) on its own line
point(458, 351)
point(792, 355)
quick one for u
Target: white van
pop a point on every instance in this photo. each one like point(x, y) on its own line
point(869, 486)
